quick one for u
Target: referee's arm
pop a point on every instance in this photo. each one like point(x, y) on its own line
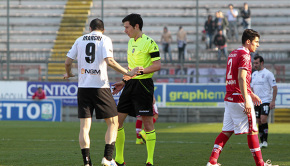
point(156, 64)
point(154, 67)
point(116, 66)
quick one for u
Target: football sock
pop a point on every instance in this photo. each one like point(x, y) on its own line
point(150, 144)
point(219, 143)
point(265, 131)
point(253, 143)
point(109, 150)
point(86, 156)
point(120, 141)
point(154, 120)
point(138, 127)
point(261, 133)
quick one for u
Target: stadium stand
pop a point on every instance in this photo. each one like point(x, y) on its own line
point(282, 115)
point(37, 30)
point(71, 27)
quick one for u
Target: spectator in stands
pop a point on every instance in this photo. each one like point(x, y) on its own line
point(166, 40)
point(246, 14)
point(181, 43)
point(209, 27)
point(39, 94)
point(233, 26)
point(220, 42)
point(221, 22)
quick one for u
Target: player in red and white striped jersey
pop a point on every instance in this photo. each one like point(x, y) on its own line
point(239, 116)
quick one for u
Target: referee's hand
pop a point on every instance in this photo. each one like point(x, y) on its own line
point(136, 71)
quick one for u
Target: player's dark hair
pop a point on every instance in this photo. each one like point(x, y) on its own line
point(134, 19)
point(97, 24)
point(249, 34)
point(259, 57)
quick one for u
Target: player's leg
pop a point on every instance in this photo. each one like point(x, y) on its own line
point(124, 108)
point(249, 125)
point(150, 137)
point(142, 133)
point(264, 123)
point(110, 137)
point(105, 108)
point(223, 137)
point(85, 111)
point(219, 144)
point(253, 143)
point(258, 115)
point(138, 130)
point(120, 141)
point(84, 139)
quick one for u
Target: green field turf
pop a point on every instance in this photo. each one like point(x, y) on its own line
point(56, 143)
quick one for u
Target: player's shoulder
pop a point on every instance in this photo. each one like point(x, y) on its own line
point(254, 73)
point(267, 72)
point(147, 38)
point(242, 50)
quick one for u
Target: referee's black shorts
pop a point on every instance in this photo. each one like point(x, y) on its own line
point(98, 99)
point(137, 98)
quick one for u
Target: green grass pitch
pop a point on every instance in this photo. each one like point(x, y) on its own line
point(56, 143)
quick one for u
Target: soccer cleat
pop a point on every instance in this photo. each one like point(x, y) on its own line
point(139, 141)
point(149, 164)
point(124, 164)
point(106, 162)
point(209, 164)
point(265, 144)
point(142, 133)
point(268, 163)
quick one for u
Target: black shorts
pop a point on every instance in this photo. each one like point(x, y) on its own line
point(137, 98)
point(98, 99)
point(263, 109)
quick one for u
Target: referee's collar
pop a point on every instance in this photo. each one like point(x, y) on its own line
point(139, 37)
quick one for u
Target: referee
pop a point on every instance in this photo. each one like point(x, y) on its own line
point(94, 52)
point(137, 96)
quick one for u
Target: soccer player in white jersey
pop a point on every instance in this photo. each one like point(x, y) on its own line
point(239, 116)
point(94, 51)
point(263, 81)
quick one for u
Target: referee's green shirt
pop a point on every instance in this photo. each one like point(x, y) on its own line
point(142, 52)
